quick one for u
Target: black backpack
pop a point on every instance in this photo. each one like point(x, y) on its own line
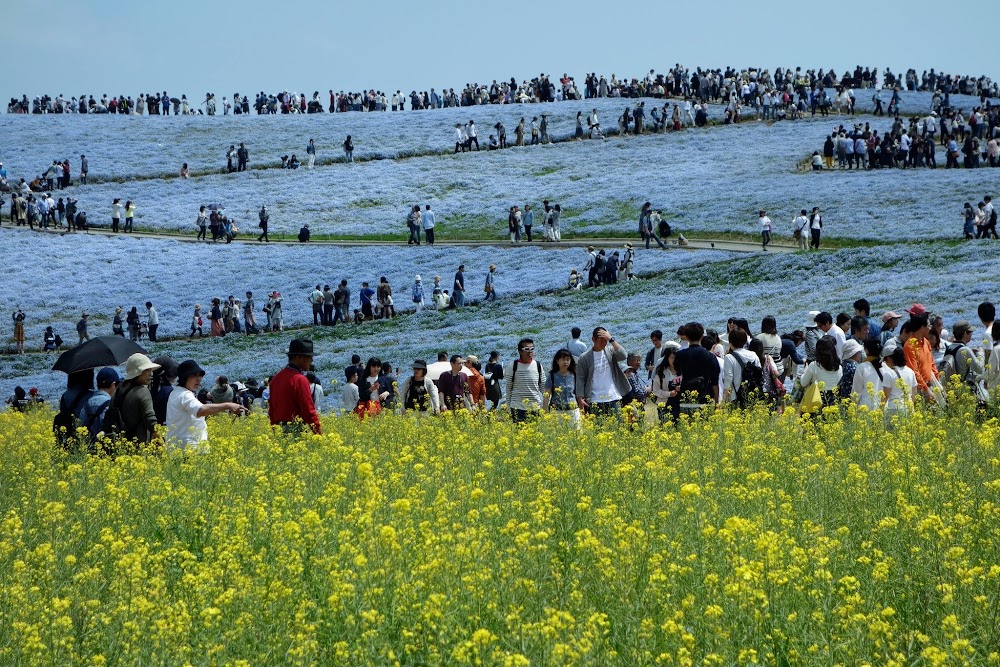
point(113, 423)
point(993, 217)
point(65, 422)
point(752, 382)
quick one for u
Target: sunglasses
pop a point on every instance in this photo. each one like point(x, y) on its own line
point(527, 349)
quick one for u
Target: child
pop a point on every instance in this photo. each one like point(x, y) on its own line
point(351, 394)
point(196, 322)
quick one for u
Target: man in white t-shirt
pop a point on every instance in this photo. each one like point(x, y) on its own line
point(186, 425)
point(801, 226)
point(732, 369)
point(600, 381)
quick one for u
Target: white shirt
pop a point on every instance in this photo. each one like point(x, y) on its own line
point(866, 375)
point(603, 388)
point(817, 222)
point(765, 223)
point(841, 338)
point(184, 427)
point(899, 399)
point(732, 374)
point(801, 222)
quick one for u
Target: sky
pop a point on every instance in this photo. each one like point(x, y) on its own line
point(191, 47)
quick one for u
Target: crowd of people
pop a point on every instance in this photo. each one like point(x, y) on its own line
point(678, 81)
point(969, 145)
point(878, 363)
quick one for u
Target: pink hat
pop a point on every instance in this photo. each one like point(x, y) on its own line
point(891, 315)
point(916, 309)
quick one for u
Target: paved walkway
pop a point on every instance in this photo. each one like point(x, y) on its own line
point(583, 242)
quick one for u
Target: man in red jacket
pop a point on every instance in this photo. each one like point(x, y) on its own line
point(291, 402)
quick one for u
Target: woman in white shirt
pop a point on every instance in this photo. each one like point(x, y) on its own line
point(666, 384)
point(732, 368)
point(826, 369)
point(769, 337)
point(186, 425)
point(869, 378)
point(900, 384)
point(991, 378)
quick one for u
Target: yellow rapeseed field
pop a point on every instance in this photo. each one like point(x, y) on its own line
point(742, 539)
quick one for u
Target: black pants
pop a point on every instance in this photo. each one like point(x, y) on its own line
point(593, 278)
point(521, 416)
point(327, 314)
point(263, 234)
point(152, 332)
point(339, 315)
point(414, 235)
point(429, 233)
point(474, 140)
point(114, 224)
point(317, 313)
point(814, 243)
point(527, 231)
point(202, 233)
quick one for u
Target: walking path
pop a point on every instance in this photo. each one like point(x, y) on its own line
point(500, 242)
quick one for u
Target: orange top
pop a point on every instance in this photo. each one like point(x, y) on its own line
point(920, 359)
point(477, 385)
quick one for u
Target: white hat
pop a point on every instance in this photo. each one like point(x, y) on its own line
point(417, 278)
point(851, 348)
point(811, 318)
point(136, 364)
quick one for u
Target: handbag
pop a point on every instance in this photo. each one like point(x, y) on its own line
point(812, 400)
point(779, 386)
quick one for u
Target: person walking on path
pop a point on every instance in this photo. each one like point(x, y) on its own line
point(415, 224)
point(801, 227)
point(116, 214)
point(84, 168)
point(81, 329)
point(202, 223)
point(765, 229)
point(152, 321)
point(291, 402)
point(264, 218)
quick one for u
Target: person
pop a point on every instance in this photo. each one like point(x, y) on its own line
point(385, 300)
point(19, 335)
point(869, 377)
point(525, 382)
point(493, 375)
point(92, 416)
point(365, 297)
point(152, 321)
point(697, 367)
point(477, 383)
point(316, 301)
point(311, 152)
point(136, 402)
point(454, 388)
point(218, 329)
point(920, 356)
point(576, 346)
point(736, 370)
point(458, 288)
point(850, 359)
point(654, 353)
point(79, 389)
point(827, 370)
point(242, 157)
point(900, 385)
point(84, 169)
point(304, 234)
point(316, 387)
point(82, 329)
point(666, 384)
point(765, 229)
point(196, 322)
point(202, 222)
point(264, 218)
point(351, 396)
point(528, 220)
point(427, 219)
point(489, 288)
point(600, 381)
point(419, 393)
point(129, 215)
point(815, 228)
point(342, 303)
point(161, 385)
point(560, 387)
point(348, 149)
point(116, 214)
point(414, 224)
point(371, 389)
point(185, 172)
point(50, 341)
point(291, 404)
point(186, 427)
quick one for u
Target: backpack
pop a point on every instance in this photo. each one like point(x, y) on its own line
point(751, 384)
point(993, 217)
point(949, 366)
point(513, 372)
point(113, 422)
point(65, 422)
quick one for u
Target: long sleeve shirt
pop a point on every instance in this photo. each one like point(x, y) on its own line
point(291, 399)
point(920, 359)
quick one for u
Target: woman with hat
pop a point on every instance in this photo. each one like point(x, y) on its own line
point(419, 393)
point(850, 358)
point(291, 402)
point(134, 400)
point(186, 425)
point(118, 323)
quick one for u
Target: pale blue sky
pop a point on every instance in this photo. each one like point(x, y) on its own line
point(193, 46)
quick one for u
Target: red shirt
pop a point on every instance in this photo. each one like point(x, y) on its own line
point(291, 399)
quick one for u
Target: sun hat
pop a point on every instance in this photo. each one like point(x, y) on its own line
point(851, 348)
point(890, 315)
point(167, 365)
point(417, 278)
point(672, 345)
point(960, 329)
point(187, 369)
point(302, 346)
point(420, 364)
point(811, 318)
point(917, 309)
point(471, 359)
point(137, 364)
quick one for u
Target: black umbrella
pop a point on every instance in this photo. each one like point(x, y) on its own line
point(216, 207)
point(97, 352)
